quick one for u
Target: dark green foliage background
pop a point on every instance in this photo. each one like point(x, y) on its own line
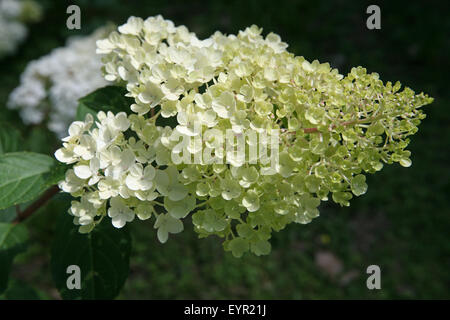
point(402, 224)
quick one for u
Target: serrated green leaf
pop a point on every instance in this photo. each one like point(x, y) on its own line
point(13, 239)
point(8, 215)
point(10, 139)
point(103, 257)
point(23, 177)
point(110, 98)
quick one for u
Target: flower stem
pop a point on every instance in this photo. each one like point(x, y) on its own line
point(46, 196)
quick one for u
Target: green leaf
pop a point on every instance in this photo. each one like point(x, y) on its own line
point(8, 215)
point(10, 138)
point(40, 140)
point(103, 257)
point(110, 98)
point(23, 177)
point(162, 122)
point(13, 238)
point(56, 174)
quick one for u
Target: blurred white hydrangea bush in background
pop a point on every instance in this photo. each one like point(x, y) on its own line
point(333, 129)
point(51, 86)
point(14, 14)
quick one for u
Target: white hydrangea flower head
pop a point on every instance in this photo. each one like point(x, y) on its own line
point(51, 86)
point(114, 173)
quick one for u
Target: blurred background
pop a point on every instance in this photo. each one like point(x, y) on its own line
point(401, 224)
